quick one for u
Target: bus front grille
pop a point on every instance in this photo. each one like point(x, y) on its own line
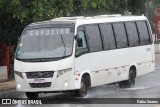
point(40, 85)
point(42, 74)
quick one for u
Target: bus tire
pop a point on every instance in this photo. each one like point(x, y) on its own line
point(82, 92)
point(32, 95)
point(130, 82)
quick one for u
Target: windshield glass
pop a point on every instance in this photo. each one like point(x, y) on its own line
point(45, 43)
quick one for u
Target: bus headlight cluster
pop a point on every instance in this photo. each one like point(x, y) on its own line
point(60, 72)
point(18, 73)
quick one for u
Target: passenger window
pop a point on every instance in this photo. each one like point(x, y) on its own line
point(143, 32)
point(132, 33)
point(83, 48)
point(108, 36)
point(120, 35)
point(94, 38)
point(150, 32)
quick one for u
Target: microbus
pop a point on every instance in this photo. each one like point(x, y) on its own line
point(76, 53)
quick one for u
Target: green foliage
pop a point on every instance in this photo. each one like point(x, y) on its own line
point(16, 14)
point(136, 6)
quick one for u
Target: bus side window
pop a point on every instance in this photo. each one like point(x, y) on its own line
point(120, 35)
point(83, 48)
point(143, 33)
point(132, 34)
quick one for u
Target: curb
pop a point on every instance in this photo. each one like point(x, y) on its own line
point(7, 85)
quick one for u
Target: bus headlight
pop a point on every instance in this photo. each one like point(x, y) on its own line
point(18, 86)
point(60, 72)
point(19, 74)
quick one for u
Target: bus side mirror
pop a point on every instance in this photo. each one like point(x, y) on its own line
point(79, 41)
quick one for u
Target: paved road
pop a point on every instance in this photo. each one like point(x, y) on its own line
point(147, 86)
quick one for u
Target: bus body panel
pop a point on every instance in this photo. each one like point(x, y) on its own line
point(113, 65)
point(104, 67)
point(58, 83)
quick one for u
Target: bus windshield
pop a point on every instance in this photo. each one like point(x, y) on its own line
point(45, 43)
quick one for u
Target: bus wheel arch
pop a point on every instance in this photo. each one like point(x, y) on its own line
point(133, 69)
point(84, 85)
point(131, 79)
point(87, 78)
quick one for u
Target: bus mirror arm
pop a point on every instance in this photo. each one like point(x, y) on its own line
point(75, 37)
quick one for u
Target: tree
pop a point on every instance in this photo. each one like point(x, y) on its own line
point(16, 14)
point(136, 6)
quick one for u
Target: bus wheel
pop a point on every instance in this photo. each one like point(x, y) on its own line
point(130, 82)
point(32, 95)
point(82, 92)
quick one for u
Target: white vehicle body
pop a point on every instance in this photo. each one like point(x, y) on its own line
point(104, 66)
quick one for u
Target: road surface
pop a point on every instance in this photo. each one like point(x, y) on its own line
point(147, 86)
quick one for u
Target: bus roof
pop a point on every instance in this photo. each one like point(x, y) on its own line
point(79, 20)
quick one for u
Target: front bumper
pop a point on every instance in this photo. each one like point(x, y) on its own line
point(61, 83)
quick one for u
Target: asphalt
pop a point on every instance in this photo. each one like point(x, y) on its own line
point(10, 83)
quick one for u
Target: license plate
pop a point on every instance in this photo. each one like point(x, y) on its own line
point(39, 80)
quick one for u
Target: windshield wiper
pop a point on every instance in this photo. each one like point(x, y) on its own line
point(39, 59)
point(64, 46)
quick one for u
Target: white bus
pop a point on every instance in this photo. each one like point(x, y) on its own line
point(76, 53)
